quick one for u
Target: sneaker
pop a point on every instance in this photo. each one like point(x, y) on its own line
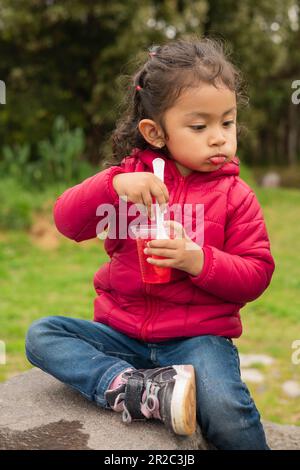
point(165, 393)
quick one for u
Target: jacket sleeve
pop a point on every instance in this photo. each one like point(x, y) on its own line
point(74, 211)
point(243, 269)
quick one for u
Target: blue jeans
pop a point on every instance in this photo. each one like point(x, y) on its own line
point(87, 355)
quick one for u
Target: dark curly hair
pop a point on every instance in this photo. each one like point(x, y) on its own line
point(167, 71)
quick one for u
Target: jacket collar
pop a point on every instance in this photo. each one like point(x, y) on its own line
point(147, 156)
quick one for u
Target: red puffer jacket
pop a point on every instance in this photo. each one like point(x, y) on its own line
point(238, 264)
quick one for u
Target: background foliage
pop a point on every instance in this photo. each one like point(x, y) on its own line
point(61, 61)
point(63, 58)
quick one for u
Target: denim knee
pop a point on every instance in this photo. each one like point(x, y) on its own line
point(35, 334)
point(230, 419)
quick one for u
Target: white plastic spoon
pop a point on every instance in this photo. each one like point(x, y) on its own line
point(158, 169)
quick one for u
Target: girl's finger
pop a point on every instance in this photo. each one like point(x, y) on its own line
point(147, 200)
point(165, 253)
point(158, 193)
point(168, 243)
point(161, 262)
point(163, 188)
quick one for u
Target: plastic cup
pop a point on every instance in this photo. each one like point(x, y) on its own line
point(151, 273)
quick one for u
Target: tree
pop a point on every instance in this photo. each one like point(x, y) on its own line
point(65, 58)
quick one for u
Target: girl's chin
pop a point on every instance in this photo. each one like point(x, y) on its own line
point(209, 166)
point(205, 166)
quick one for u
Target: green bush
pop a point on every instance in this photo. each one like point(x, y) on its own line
point(59, 156)
point(29, 183)
point(58, 159)
point(19, 204)
point(16, 205)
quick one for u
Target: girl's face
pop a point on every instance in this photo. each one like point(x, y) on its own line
point(200, 125)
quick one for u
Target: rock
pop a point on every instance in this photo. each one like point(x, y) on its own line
point(39, 412)
point(291, 388)
point(248, 360)
point(252, 375)
point(282, 437)
point(271, 180)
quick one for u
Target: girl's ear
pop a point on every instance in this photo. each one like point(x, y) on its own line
point(151, 132)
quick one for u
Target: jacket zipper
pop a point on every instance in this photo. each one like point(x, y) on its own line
point(179, 189)
point(147, 287)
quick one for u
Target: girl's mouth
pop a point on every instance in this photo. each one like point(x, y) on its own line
point(218, 159)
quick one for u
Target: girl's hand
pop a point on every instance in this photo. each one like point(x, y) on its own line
point(180, 253)
point(139, 188)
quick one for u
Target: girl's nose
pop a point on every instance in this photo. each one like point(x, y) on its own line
point(216, 138)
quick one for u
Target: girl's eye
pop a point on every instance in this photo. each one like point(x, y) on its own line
point(201, 127)
point(198, 128)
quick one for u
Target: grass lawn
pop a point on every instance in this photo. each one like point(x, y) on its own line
point(37, 281)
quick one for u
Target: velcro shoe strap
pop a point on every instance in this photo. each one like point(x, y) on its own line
point(133, 397)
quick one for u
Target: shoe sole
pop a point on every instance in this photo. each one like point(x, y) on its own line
point(183, 403)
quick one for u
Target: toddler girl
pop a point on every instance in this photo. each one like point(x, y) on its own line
point(165, 351)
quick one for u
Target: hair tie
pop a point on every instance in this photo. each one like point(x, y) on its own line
point(153, 50)
point(138, 88)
